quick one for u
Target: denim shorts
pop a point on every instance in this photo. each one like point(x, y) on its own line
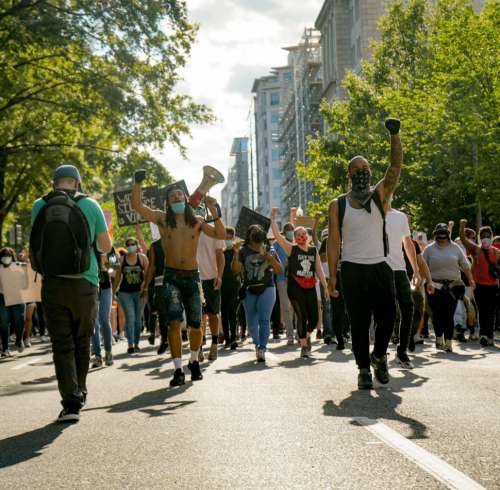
point(181, 293)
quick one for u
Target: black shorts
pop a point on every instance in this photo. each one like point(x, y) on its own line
point(211, 306)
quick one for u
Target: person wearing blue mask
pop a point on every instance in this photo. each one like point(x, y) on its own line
point(180, 231)
point(129, 281)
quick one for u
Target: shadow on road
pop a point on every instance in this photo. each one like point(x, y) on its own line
point(361, 403)
point(145, 402)
point(29, 445)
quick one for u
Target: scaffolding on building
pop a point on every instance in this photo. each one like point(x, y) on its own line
point(301, 117)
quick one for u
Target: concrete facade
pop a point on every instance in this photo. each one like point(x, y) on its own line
point(270, 93)
point(236, 193)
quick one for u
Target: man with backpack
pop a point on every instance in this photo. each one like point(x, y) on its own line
point(357, 229)
point(68, 231)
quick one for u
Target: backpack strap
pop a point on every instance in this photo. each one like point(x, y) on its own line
point(378, 202)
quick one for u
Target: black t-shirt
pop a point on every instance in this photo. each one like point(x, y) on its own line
point(258, 273)
point(409, 269)
point(302, 266)
point(228, 276)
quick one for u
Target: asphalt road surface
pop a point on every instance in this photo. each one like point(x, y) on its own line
point(291, 423)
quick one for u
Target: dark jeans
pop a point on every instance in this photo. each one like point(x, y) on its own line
point(70, 307)
point(40, 319)
point(369, 289)
point(486, 298)
point(405, 303)
point(11, 317)
point(229, 307)
point(443, 304)
point(158, 311)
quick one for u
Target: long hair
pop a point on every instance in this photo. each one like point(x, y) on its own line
point(189, 217)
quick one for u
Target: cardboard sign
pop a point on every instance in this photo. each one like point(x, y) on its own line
point(305, 221)
point(247, 218)
point(126, 215)
point(19, 286)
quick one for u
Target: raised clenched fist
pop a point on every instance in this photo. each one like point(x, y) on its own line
point(139, 176)
point(393, 125)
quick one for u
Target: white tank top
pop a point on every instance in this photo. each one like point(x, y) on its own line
point(362, 235)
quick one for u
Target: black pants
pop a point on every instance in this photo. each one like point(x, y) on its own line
point(158, 312)
point(305, 306)
point(276, 315)
point(486, 298)
point(443, 304)
point(405, 303)
point(369, 289)
point(229, 308)
point(40, 318)
point(70, 307)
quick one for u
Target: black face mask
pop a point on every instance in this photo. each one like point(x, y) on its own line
point(258, 237)
point(361, 185)
point(442, 236)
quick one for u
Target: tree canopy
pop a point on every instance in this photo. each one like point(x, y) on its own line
point(91, 83)
point(436, 68)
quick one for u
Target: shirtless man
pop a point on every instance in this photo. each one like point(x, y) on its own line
point(180, 231)
point(357, 228)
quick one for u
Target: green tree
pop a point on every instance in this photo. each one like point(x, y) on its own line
point(436, 68)
point(91, 83)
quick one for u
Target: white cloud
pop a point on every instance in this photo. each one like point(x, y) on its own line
point(238, 41)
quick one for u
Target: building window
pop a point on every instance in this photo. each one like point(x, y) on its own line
point(275, 154)
point(277, 174)
point(275, 98)
point(287, 76)
point(275, 117)
point(356, 10)
point(277, 193)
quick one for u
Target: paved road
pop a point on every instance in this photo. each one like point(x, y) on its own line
point(290, 424)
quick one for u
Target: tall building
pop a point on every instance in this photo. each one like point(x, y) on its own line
point(301, 117)
point(236, 192)
point(347, 27)
point(270, 93)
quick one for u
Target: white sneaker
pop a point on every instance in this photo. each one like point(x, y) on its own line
point(67, 415)
point(404, 361)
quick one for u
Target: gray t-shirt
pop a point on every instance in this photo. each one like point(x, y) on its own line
point(445, 263)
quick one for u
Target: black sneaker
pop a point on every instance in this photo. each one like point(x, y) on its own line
point(380, 369)
point(234, 345)
point(341, 345)
point(365, 381)
point(130, 350)
point(68, 416)
point(151, 339)
point(461, 337)
point(227, 345)
point(184, 336)
point(327, 340)
point(194, 367)
point(179, 378)
point(483, 341)
point(162, 348)
point(276, 336)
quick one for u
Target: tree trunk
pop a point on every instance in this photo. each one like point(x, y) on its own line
point(475, 161)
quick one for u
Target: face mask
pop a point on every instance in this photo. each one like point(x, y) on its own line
point(301, 240)
point(485, 242)
point(258, 237)
point(229, 244)
point(178, 207)
point(289, 236)
point(6, 260)
point(441, 237)
point(132, 249)
point(361, 185)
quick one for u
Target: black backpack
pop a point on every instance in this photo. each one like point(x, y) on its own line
point(60, 240)
point(342, 200)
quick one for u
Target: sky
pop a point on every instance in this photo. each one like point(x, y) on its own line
point(238, 41)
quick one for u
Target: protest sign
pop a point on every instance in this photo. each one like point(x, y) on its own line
point(124, 212)
point(249, 217)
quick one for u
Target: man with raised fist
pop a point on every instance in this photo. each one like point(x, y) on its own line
point(180, 232)
point(357, 233)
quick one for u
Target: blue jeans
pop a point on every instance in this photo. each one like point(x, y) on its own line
point(131, 304)
point(103, 322)
point(11, 317)
point(258, 309)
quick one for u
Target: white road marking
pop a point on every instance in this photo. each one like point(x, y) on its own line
point(26, 364)
point(438, 468)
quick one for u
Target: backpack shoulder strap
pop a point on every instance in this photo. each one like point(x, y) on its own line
point(378, 202)
point(342, 200)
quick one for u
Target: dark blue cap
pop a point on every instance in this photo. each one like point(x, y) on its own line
point(67, 172)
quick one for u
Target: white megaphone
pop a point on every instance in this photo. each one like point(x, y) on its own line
point(211, 177)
